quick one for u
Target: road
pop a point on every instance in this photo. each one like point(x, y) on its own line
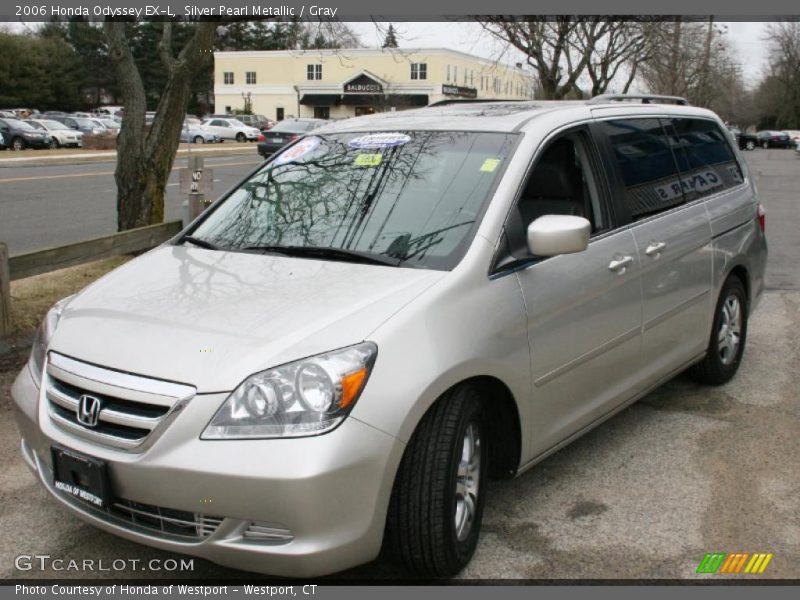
point(685, 471)
point(43, 206)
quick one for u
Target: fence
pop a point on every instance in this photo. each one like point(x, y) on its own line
point(24, 265)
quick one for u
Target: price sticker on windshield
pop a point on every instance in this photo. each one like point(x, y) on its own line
point(297, 151)
point(489, 165)
point(368, 160)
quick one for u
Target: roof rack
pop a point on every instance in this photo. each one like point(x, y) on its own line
point(447, 101)
point(645, 98)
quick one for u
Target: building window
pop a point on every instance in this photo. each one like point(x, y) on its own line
point(279, 113)
point(471, 78)
point(455, 73)
point(419, 71)
point(314, 72)
point(448, 73)
point(227, 78)
point(322, 112)
point(250, 77)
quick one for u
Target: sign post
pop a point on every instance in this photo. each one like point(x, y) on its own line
point(196, 181)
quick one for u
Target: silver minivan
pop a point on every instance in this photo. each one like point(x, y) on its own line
point(342, 351)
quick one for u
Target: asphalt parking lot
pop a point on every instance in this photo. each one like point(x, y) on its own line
point(685, 471)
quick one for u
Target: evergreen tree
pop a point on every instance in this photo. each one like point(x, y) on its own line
point(391, 38)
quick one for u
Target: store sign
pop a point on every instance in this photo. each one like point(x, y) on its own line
point(363, 85)
point(457, 90)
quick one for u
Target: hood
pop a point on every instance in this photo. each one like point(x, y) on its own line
point(211, 318)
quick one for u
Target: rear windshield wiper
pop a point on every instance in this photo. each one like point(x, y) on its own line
point(332, 253)
point(199, 242)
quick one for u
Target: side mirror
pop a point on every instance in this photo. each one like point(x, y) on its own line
point(551, 235)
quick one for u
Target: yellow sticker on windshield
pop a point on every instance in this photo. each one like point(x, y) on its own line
point(489, 165)
point(368, 160)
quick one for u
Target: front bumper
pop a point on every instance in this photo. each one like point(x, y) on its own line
point(330, 491)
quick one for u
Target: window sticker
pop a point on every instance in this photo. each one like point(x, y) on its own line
point(489, 165)
point(368, 160)
point(380, 140)
point(299, 150)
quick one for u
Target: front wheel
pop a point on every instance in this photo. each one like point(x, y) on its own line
point(199, 139)
point(765, 145)
point(437, 501)
point(751, 145)
point(728, 336)
point(17, 144)
point(240, 137)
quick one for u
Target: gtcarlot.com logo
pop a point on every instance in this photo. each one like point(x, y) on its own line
point(741, 562)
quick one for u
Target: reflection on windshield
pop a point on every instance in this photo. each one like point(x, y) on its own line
point(412, 196)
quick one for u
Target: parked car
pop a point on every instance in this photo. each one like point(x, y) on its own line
point(380, 319)
point(743, 139)
point(231, 129)
point(19, 135)
point(109, 124)
point(285, 132)
point(794, 135)
point(193, 131)
point(774, 139)
point(2, 142)
point(7, 114)
point(258, 121)
point(61, 134)
point(84, 125)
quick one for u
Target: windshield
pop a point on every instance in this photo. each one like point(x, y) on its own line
point(237, 123)
point(53, 124)
point(412, 196)
point(20, 124)
point(192, 123)
point(82, 122)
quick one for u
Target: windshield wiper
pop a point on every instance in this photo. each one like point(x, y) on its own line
point(199, 242)
point(332, 253)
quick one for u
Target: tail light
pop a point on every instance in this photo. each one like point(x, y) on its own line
point(261, 137)
point(761, 216)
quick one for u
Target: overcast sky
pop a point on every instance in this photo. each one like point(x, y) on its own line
point(469, 37)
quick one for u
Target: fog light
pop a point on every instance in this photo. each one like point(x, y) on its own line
point(269, 533)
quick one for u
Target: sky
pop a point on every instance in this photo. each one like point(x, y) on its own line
point(746, 38)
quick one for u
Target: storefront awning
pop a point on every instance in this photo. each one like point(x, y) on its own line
point(320, 99)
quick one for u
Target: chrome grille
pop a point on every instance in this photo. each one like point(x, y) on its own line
point(133, 409)
point(166, 521)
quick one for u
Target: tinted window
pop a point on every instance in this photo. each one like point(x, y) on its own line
point(645, 159)
point(414, 196)
point(704, 157)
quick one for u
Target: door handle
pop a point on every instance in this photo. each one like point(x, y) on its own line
point(655, 248)
point(620, 264)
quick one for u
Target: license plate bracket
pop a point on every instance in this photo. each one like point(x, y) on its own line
point(82, 477)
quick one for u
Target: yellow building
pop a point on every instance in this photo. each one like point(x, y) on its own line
point(351, 82)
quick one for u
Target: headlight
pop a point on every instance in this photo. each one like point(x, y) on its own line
point(43, 335)
point(306, 397)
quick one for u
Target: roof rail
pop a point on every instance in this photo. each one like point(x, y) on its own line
point(447, 101)
point(645, 98)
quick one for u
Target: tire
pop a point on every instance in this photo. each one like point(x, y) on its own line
point(765, 145)
point(428, 526)
point(199, 139)
point(750, 145)
point(17, 144)
point(54, 143)
point(726, 345)
point(240, 137)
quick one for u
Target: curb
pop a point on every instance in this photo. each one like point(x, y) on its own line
point(111, 156)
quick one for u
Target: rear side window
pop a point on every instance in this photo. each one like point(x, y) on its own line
point(642, 151)
point(705, 159)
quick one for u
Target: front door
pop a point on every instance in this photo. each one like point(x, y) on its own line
point(584, 310)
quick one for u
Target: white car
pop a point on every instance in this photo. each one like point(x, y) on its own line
point(232, 129)
point(61, 134)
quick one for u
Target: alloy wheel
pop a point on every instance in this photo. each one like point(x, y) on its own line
point(730, 330)
point(467, 481)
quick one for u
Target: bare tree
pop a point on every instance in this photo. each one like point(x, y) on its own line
point(780, 89)
point(145, 158)
point(563, 50)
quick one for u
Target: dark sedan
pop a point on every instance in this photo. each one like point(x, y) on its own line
point(774, 139)
point(284, 132)
point(745, 141)
point(19, 135)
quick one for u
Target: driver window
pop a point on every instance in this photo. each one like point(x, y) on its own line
point(563, 183)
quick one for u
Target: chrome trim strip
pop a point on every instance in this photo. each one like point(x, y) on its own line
point(121, 380)
point(95, 436)
point(675, 310)
point(601, 349)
